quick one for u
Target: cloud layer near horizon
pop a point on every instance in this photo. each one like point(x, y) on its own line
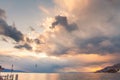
point(80, 62)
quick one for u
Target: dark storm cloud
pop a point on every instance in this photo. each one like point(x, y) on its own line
point(100, 45)
point(9, 31)
point(26, 46)
point(62, 20)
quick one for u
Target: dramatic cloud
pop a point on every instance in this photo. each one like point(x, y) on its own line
point(9, 31)
point(62, 20)
point(86, 27)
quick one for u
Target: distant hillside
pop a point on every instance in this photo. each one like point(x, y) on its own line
point(9, 70)
point(110, 69)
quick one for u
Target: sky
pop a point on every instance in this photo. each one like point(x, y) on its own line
point(59, 35)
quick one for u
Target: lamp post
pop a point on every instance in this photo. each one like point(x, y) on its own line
point(12, 68)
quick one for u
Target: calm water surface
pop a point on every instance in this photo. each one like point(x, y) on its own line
point(69, 76)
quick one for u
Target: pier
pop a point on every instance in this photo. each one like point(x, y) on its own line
point(9, 77)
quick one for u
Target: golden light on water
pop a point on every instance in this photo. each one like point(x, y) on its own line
point(39, 76)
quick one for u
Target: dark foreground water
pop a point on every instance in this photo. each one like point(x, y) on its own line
point(68, 76)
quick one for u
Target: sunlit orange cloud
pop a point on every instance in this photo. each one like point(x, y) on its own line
point(90, 57)
point(80, 69)
point(6, 51)
point(71, 4)
point(92, 69)
point(87, 62)
point(24, 54)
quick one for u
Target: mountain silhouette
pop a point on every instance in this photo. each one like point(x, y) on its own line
point(110, 69)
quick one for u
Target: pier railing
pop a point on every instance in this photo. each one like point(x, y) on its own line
point(9, 77)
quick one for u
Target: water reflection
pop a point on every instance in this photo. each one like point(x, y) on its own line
point(68, 76)
point(37, 76)
point(89, 76)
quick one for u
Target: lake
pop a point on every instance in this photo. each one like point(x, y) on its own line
point(68, 76)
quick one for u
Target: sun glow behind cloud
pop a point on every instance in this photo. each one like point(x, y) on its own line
point(71, 5)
